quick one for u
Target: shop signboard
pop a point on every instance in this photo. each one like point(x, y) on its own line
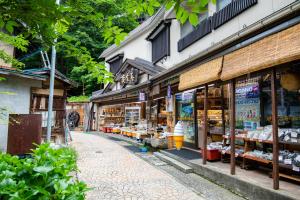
point(129, 77)
point(248, 106)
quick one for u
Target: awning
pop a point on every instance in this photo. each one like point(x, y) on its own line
point(202, 74)
point(276, 49)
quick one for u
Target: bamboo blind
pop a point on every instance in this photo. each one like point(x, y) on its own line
point(202, 74)
point(273, 50)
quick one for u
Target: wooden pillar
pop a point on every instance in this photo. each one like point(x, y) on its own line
point(275, 130)
point(196, 119)
point(232, 127)
point(223, 109)
point(205, 128)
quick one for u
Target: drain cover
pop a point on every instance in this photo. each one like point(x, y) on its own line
point(99, 152)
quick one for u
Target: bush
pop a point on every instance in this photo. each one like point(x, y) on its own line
point(46, 175)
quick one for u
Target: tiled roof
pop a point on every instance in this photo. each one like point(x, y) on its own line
point(16, 72)
point(46, 71)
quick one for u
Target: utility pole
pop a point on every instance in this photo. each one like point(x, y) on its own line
point(51, 89)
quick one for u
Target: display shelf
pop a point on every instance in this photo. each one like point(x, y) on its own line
point(261, 160)
point(229, 153)
point(290, 143)
point(257, 140)
point(294, 178)
point(236, 137)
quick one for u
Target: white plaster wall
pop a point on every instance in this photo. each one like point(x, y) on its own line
point(17, 102)
point(259, 11)
point(9, 50)
point(143, 78)
point(141, 48)
point(138, 47)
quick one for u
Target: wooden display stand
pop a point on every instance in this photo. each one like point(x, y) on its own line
point(285, 170)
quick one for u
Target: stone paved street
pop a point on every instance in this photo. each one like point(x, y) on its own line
point(116, 173)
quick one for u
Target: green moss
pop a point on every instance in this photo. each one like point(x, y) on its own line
point(75, 99)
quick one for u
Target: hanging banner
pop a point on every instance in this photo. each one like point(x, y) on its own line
point(169, 92)
point(142, 96)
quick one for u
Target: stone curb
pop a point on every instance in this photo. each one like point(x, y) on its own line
point(178, 165)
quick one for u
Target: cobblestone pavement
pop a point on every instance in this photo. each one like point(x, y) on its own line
point(206, 188)
point(116, 173)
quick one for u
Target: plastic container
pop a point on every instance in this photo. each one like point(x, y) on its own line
point(213, 155)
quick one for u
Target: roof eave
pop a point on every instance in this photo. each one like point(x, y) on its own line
point(129, 38)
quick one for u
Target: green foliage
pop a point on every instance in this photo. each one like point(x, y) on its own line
point(83, 28)
point(82, 98)
point(47, 175)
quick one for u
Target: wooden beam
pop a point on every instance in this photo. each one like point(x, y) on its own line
point(275, 131)
point(205, 128)
point(232, 127)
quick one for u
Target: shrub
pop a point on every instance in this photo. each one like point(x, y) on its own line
point(47, 174)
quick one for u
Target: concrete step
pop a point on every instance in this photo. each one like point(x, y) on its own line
point(237, 185)
point(178, 165)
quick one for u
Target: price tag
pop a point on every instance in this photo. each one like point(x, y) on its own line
point(287, 161)
point(294, 140)
point(280, 158)
point(295, 168)
point(294, 134)
point(286, 138)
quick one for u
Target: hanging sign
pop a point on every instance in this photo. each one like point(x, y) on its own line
point(169, 104)
point(169, 92)
point(142, 96)
point(130, 77)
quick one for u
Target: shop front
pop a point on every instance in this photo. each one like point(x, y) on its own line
point(248, 106)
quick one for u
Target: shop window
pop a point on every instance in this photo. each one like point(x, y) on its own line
point(254, 117)
point(185, 112)
point(217, 114)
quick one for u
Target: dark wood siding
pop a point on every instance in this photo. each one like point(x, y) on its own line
point(230, 11)
point(218, 19)
point(115, 65)
point(200, 31)
point(161, 45)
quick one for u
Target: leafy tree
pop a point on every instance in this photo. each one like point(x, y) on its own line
point(83, 29)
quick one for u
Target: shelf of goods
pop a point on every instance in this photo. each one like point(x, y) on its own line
point(215, 123)
point(137, 134)
point(289, 161)
point(110, 117)
point(132, 115)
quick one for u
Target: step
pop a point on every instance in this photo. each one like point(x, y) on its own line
point(178, 165)
point(242, 187)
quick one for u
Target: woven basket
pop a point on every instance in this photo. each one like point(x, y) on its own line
point(290, 81)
